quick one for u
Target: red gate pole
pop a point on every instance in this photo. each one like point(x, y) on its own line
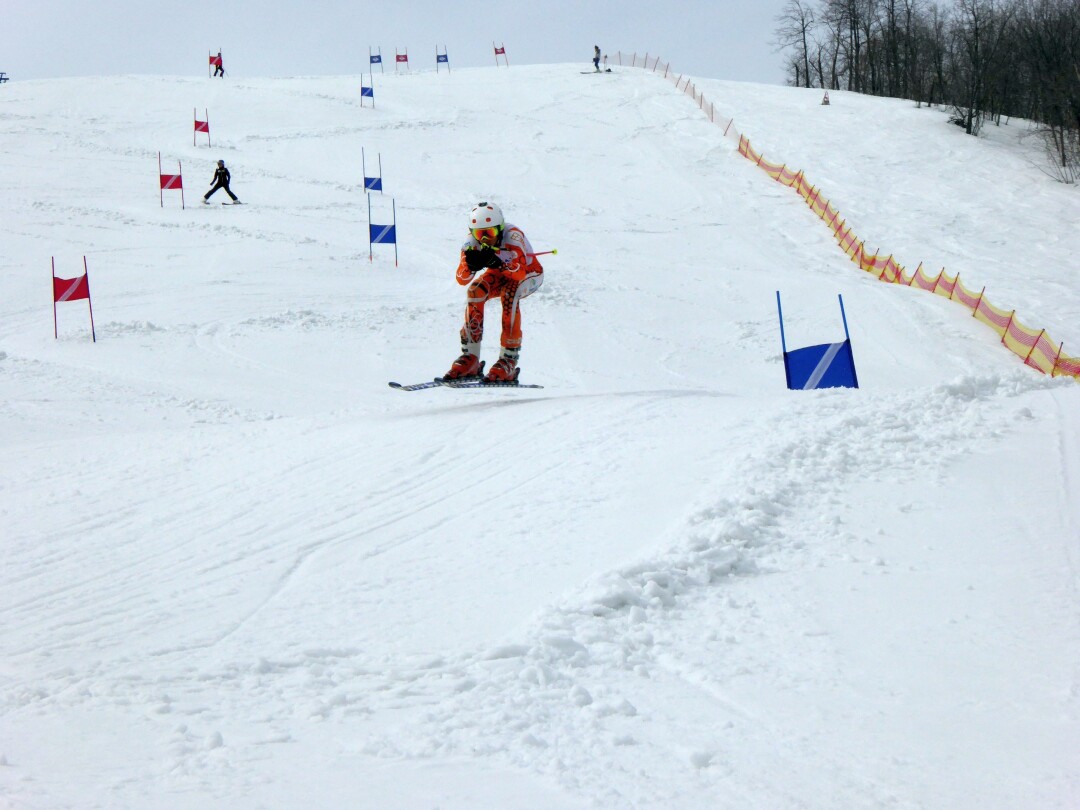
point(89, 300)
point(54, 334)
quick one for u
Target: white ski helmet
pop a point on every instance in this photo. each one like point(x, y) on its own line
point(485, 215)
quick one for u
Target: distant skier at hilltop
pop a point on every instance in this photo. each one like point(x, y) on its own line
point(596, 58)
point(221, 180)
point(219, 66)
point(497, 261)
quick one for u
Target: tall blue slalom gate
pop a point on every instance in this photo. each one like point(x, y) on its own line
point(828, 365)
point(382, 234)
point(371, 183)
point(367, 92)
point(375, 59)
point(442, 59)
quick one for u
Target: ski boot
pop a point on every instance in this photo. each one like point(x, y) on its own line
point(505, 369)
point(468, 365)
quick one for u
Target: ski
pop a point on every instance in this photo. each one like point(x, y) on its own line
point(417, 386)
point(468, 382)
point(486, 384)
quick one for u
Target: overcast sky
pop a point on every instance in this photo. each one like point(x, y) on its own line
point(723, 39)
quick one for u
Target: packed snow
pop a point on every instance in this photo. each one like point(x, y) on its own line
point(239, 570)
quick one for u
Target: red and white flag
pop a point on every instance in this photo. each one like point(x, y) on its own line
point(201, 126)
point(72, 289)
point(171, 181)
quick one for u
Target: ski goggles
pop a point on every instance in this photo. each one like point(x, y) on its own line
point(486, 236)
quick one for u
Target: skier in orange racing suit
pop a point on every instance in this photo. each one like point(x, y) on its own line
point(497, 261)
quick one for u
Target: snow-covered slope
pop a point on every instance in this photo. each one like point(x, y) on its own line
point(240, 571)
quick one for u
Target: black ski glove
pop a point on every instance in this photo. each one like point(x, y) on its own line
point(481, 257)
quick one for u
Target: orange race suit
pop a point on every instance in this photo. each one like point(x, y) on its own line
point(519, 276)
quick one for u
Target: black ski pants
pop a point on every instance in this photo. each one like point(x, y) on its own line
point(216, 187)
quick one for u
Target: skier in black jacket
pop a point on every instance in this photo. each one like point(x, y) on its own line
point(221, 180)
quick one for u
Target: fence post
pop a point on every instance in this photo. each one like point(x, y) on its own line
point(1032, 350)
point(937, 280)
point(883, 269)
point(978, 302)
point(1007, 327)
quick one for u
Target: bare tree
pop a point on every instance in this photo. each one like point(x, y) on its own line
point(1049, 39)
point(936, 46)
point(979, 34)
point(795, 24)
point(871, 36)
point(841, 17)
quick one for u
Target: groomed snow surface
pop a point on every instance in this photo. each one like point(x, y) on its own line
point(239, 571)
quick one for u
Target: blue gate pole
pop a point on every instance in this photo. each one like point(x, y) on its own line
point(851, 352)
point(783, 342)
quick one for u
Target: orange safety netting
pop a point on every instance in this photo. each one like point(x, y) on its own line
point(1033, 346)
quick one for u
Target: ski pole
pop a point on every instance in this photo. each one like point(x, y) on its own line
point(543, 252)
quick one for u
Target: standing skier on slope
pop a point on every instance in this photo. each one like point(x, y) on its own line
point(596, 58)
point(221, 180)
point(497, 261)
